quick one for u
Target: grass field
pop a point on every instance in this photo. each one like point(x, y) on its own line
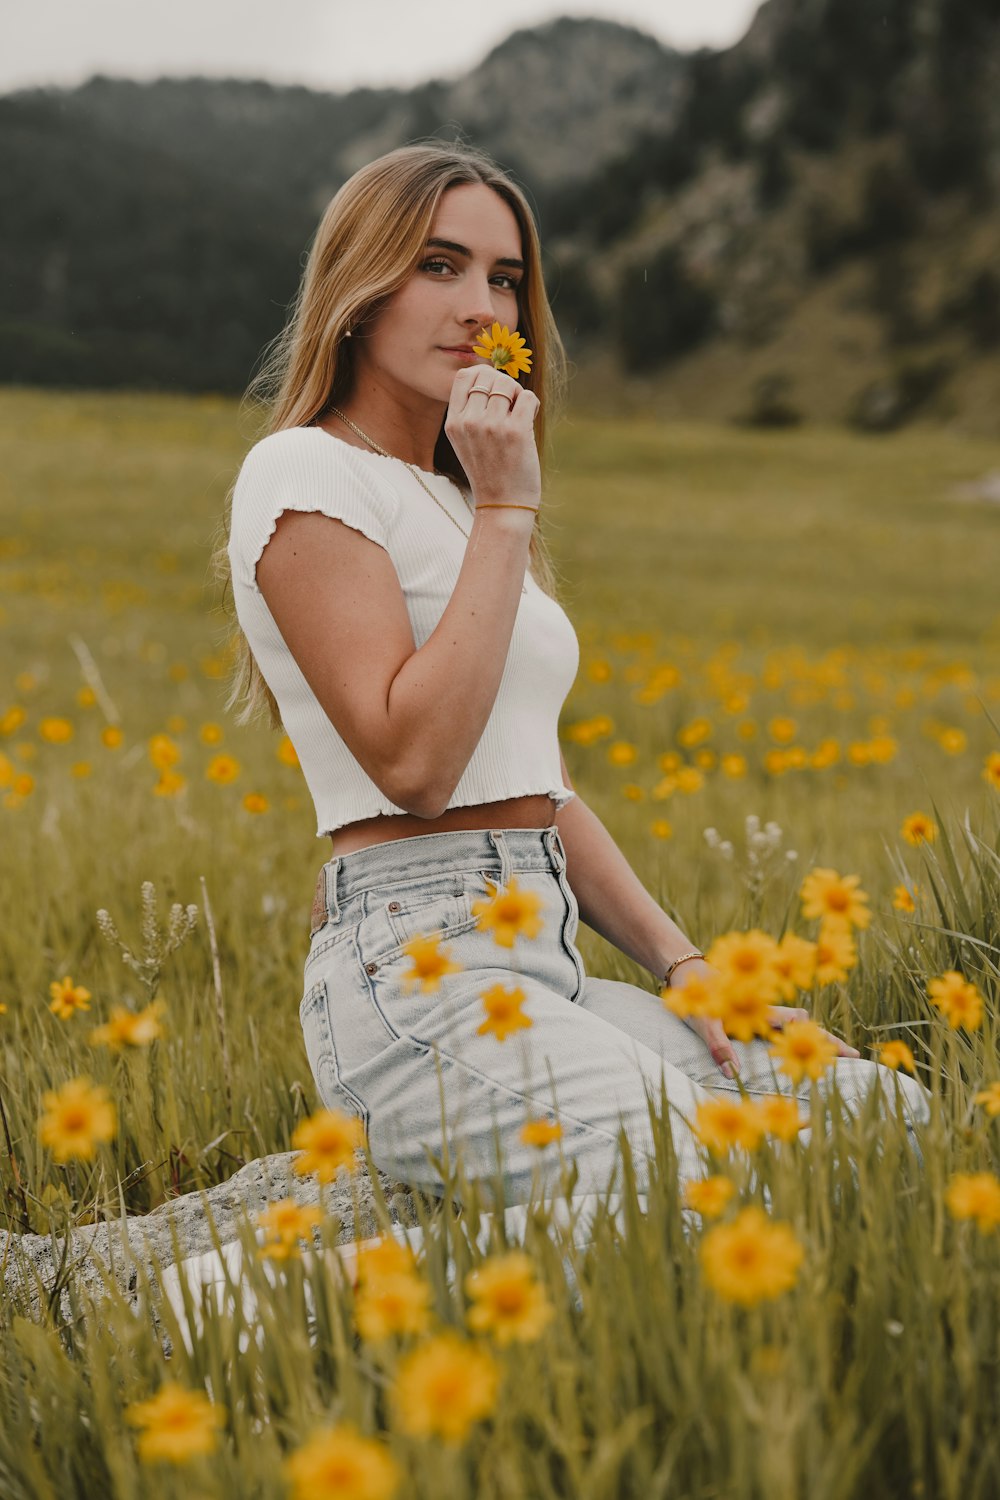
point(801, 627)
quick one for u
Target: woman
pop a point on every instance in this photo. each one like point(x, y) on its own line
point(398, 617)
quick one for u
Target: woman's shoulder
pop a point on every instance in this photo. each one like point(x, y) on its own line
point(294, 454)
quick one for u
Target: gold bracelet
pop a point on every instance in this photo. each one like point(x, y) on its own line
point(507, 507)
point(695, 953)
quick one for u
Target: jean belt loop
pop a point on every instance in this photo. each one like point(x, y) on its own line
point(500, 845)
point(554, 845)
point(332, 904)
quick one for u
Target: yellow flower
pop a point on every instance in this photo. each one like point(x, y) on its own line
point(129, 1028)
point(780, 1116)
point(835, 953)
point(384, 1256)
point(81, 768)
point(168, 784)
point(55, 731)
point(959, 1000)
point(918, 827)
point(210, 734)
point(802, 1049)
point(255, 802)
point(179, 1424)
point(835, 898)
point(697, 995)
point(708, 1196)
point(509, 913)
point(827, 753)
point(733, 765)
point(633, 791)
point(747, 959)
point(722, 1123)
point(505, 350)
point(223, 769)
point(744, 1012)
point(795, 965)
point(391, 1304)
point(991, 770)
point(953, 740)
point(12, 719)
point(692, 734)
point(896, 1054)
point(975, 1195)
point(328, 1140)
point(286, 1221)
point(67, 997)
point(622, 753)
point(163, 751)
point(989, 1097)
point(540, 1132)
point(751, 1258)
point(445, 1385)
point(510, 1303)
point(111, 736)
point(286, 752)
point(503, 1011)
point(77, 1117)
point(430, 963)
point(339, 1464)
point(660, 828)
point(689, 779)
point(782, 729)
point(177, 724)
point(903, 899)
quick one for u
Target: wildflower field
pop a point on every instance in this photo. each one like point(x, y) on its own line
point(788, 715)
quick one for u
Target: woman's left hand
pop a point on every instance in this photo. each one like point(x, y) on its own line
point(713, 1033)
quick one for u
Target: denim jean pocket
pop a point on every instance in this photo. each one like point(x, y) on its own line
point(438, 904)
point(321, 1050)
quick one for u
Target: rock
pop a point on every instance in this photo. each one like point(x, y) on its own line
point(31, 1262)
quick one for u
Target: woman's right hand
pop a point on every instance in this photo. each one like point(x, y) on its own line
point(493, 436)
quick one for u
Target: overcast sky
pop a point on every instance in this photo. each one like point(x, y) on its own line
point(325, 44)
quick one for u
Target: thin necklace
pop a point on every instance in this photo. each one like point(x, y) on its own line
point(416, 474)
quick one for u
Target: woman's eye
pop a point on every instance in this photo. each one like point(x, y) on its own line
point(503, 275)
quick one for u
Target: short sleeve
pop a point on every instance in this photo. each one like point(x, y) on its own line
point(303, 468)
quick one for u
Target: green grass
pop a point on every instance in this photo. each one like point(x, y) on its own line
point(812, 575)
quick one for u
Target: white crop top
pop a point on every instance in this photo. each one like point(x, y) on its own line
point(307, 468)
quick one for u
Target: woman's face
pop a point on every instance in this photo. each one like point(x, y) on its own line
point(450, 297)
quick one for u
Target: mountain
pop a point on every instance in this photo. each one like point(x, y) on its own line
point(803, 225)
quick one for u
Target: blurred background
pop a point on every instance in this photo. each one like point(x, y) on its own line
point(773, 214)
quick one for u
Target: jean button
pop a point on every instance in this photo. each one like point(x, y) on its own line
point(394, 906)
point(371, 968)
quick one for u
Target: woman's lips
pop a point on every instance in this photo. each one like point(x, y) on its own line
point(461, 353)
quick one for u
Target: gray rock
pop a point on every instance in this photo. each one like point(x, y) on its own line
point(32, 1264)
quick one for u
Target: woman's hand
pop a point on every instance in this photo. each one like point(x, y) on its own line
point(490, 425)
point(713, 1033)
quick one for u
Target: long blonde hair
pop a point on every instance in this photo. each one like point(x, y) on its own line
point(368, 241)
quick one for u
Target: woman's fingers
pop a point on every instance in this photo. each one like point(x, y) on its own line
point(780, 1015)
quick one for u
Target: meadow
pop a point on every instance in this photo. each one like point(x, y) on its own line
point(789, 662)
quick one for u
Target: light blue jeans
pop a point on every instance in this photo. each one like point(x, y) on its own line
point(592, 1056)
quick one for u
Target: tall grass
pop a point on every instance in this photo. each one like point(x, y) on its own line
point(725, 585)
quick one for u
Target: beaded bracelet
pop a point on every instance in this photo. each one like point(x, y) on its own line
point(695, 953)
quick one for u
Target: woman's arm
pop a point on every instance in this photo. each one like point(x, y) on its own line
point(612, 898)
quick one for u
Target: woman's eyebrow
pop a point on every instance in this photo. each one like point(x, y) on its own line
point(502, 260)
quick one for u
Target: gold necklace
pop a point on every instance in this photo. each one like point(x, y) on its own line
point(416, 474)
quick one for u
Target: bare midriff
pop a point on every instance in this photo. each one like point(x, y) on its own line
point(537, 810)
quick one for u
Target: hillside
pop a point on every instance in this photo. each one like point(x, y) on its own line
point(804, 226)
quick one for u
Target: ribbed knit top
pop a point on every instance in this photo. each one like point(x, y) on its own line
point(307, 468)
